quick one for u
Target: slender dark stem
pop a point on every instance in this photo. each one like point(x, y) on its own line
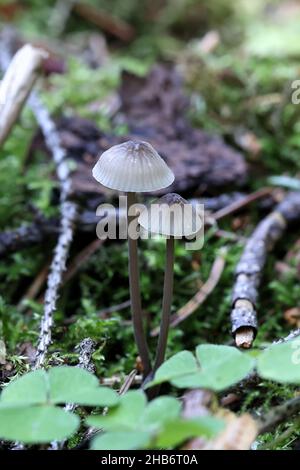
point(135, 295)
point(167, 303)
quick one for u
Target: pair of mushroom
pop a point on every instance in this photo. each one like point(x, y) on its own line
point(135, 167)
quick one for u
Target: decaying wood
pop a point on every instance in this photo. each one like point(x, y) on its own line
point(154, 109)
point(279, 414)
point(17, 84)
point(251, 264)
point(207, 288)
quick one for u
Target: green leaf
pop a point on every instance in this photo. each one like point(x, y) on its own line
point(159, 411)
point(220, 367)
point(181, 364)
point(123, 417)
point(60, 385)
point(76, 385)
point(281, 362)
point(179, 430)
point(216, 368)
point(129, 440)
point(30, 389)
point(36, 424)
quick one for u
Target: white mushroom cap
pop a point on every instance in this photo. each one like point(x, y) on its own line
point(171, 215)
point(132, 167)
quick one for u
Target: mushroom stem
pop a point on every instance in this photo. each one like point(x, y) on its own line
point(166, 305)
point(135, 295)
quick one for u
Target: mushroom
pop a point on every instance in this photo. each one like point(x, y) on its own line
point(172, 217)
point(133, 167)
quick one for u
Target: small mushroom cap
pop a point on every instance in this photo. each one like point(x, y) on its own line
point(171, 215)
point(132, 167)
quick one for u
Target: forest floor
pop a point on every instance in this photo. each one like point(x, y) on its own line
point(236, 71)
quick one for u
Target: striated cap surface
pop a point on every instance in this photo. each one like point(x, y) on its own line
point(171, 215)
point(133, 166)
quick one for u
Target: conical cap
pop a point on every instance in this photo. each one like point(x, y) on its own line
point(171, 215)
point(133, 167)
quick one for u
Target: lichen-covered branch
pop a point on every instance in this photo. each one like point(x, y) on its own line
point(251, 264)
point(68, 214)
point(68, 209)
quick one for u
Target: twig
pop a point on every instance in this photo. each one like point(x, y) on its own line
point(130, 379)
point(105, 21)
point(251, 264)
point(68, 211)
point(242, 202)
point(80, 259)
point(17, 84)
point(35, 286)
point(198, 299)
point(279, 414)
point(105, 311)
point(292, 335)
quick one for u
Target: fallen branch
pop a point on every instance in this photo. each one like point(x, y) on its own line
point(17, 84)
point(251, 264)
point(198, 299)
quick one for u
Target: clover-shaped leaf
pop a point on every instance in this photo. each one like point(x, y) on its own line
point(281, 362)
point(178, 430)
point(129, 440)
point(62, 384)
point(214, 367)
point(76, 385)
point(125, 416)
point(134, 424)
point(180, 364)
point(36, 424)
point(27, 404)
point(29, 389)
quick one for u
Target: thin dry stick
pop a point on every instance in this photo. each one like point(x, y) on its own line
point(242, 202)
point(198, 299)
point(35, 286)
point(105, 21)
point(80, 259)
point(251, 264)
